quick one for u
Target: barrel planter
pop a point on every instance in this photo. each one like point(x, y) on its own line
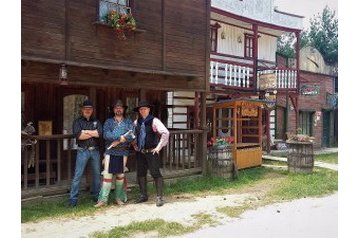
point(221, 162)
point(300, 157)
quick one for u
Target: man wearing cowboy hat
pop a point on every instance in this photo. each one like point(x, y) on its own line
point(151, 136)
point(117, 138)
point(87, 130)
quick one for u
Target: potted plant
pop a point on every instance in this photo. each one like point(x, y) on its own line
point(121, 23)
point(220, 157)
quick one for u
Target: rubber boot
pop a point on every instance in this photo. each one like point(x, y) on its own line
point(120, 193)
point(142, 181)
point(105, 190)
point(159, 188)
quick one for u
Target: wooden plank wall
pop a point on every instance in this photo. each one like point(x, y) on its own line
point(173, 41)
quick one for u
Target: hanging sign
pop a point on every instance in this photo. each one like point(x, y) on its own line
point(332, 99)
point(309, 90)
point(267, 81)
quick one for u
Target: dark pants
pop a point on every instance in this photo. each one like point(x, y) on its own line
point(148, 161)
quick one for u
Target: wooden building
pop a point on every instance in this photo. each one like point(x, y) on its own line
point(318, 100)
point(168, 52)
point(243, 63)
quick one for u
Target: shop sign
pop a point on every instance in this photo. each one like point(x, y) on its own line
point(309, 90)
point(267, 81)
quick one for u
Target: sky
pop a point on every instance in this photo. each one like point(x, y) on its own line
point(306, 8)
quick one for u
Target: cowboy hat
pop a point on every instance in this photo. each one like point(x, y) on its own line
point(119, 103)
point(87, 103)
point(143, 103)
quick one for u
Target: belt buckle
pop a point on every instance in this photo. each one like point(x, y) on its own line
point(142, 151)
point(91, 148)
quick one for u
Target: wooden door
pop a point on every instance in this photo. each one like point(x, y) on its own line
point(326, 121)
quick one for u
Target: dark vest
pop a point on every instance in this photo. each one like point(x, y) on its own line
point(151, 138)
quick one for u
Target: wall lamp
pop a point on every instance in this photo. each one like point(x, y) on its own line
point(63, 75)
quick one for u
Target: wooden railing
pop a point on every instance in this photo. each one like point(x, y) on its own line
point(231, 74)
point(48, 155)
point(54, 158)
point(285, 78)
point(182, 150)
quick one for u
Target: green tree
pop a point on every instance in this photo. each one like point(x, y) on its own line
point(322, 35)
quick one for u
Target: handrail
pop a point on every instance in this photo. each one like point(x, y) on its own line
point(51, 137)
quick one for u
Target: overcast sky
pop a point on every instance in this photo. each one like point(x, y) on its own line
point(306, 8)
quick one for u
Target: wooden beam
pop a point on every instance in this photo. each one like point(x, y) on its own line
point(107, 66)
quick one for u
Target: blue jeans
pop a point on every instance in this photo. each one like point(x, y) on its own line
point(83, 155)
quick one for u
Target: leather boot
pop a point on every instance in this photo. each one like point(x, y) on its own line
point(142, 181)
point(159, 188)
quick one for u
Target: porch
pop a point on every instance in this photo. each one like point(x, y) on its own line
point(49, 169)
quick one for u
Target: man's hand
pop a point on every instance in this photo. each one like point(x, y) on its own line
point(122, 139)
point(155, 150)
point(115, 143)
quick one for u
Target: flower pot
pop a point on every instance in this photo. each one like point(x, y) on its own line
point(221, 161)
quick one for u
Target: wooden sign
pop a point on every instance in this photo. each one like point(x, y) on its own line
point(45, 128)
point(249, 110)
point(309, 90)
point(267, 80)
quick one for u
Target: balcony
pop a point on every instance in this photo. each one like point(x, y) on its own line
point(237, 76)
point(231, 75)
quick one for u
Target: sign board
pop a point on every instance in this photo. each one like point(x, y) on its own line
point(309, 90)
point(45, 128)
point(332, 99)
point(267, 81)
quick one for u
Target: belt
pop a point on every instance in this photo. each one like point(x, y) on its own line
point(88, 148)
point(144, 151)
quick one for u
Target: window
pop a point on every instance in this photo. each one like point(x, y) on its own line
point(306, 119)
point(249, 45)
point(121, 6)
point(214, 37)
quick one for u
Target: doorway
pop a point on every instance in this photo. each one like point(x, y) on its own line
point(326, 128)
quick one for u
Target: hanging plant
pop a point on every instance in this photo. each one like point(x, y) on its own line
point(121, 23)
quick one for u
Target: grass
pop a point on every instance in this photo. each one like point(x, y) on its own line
point(157, 228)
point(37, 210)
point(278, 185)
point(328, 158)
point(57, 207)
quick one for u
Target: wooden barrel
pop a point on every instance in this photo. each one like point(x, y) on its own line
point(300, 157)
point(222, 164)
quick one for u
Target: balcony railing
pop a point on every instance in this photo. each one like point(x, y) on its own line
point(231, 74)
point(285, 78)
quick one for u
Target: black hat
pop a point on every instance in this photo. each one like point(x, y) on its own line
point(119, 103)
point(87, 103)
point(143, 103)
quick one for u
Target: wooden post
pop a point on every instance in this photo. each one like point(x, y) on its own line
point(298, 42)
point(203, 143)
point(255, 55)
point(59, 145)
point(268, 135)
point(48, 154)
